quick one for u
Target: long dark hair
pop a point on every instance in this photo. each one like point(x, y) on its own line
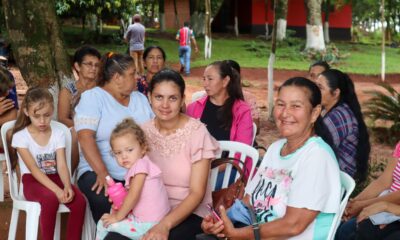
point(234, 89)
point(33, 95)
point(112, 63)
point(339, 80)
point(315, 99)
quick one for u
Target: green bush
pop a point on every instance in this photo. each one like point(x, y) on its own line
point(331, 54)
point(385, 105)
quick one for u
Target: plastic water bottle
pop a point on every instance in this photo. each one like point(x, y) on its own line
point(116, 192)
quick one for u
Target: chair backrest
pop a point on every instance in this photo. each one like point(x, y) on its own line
point(197, 95)
point(15, 193)
point(238, 150)
point(348, 186)
point(254, 132)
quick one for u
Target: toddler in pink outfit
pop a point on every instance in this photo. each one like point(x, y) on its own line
point(147, 201)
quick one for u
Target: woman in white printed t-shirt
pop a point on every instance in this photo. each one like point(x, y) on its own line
point(296, 190)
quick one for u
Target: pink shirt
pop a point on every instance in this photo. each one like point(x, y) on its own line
point(396, 172)
point(175, 154)
point(153, 203)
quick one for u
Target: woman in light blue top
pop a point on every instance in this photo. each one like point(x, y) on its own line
point(98, 112)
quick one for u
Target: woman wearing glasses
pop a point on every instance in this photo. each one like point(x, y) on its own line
point(99, 110)
point(86, 63)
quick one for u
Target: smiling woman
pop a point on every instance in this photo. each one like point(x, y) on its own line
point(296, 190)
point(182, 148)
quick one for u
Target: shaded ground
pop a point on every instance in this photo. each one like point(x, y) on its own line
point(257, 81)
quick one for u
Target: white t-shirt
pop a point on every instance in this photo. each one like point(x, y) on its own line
point(45, 156)
point(308, 178)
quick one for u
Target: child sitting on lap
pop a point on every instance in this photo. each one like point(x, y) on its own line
point(147, 201)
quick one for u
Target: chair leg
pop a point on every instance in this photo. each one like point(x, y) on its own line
point(32, 223)
point(13, 224)
point(57, 227)
point(89, 226)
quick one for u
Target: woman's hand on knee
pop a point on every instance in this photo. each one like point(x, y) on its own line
point(100, 184)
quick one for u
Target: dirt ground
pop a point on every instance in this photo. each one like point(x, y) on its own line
point(256, 78)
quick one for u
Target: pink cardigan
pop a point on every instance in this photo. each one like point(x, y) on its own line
point(242, 124)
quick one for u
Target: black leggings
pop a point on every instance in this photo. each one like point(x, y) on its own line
point(186, 230)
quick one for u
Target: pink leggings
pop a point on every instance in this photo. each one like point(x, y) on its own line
point(35, 191)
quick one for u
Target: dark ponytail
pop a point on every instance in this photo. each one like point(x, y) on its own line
point(234, 89)
point(315, 99)
point(339, 80)
point(112, 63)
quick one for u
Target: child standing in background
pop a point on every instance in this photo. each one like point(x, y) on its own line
point(43, 166)
point(147, 200)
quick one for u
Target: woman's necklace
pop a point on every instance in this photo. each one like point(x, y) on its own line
point(286, 150)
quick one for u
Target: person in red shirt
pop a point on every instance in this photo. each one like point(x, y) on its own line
point(185, 36)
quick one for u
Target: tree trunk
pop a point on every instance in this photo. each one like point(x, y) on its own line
point(207, 36)
point(383, 56)
point(315, 37)
point(236, 19)
point(161, 15)
point(39, 53)
point(176, 15)
point(266, 20)
point(271, 63)
point(281, 14)
point(326, 22)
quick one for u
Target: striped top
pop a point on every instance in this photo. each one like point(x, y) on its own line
point(343, 127)
point(184, 35)
point(396, 172)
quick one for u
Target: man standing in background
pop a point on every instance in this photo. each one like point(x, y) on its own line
point(135, 36)
point(185, 36)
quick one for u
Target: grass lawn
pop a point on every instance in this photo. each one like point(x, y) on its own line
point(249, 51)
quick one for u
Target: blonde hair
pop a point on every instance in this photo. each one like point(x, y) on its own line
point(129, 126)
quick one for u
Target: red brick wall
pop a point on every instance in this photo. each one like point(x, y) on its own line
point(183, 13)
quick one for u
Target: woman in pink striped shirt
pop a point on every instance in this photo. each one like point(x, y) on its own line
point(381, 195)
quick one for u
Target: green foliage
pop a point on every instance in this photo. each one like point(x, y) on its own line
point(331, 54)
point(385, 105)
point(259, 48)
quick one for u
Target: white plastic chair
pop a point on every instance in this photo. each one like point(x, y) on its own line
point(348, 185)
point(254, 132)
point(2, 158)
point(233, 148)
point(32, 209)
point(197, 95)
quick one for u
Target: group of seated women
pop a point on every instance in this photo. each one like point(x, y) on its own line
point(296, 190)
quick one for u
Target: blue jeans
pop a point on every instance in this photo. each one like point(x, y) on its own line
point(184, 57)
point(347, 230)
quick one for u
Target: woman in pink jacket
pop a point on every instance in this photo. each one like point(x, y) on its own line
point(223, 109)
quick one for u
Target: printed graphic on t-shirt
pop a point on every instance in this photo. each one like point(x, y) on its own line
point(47, 162)
point(271, 194)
